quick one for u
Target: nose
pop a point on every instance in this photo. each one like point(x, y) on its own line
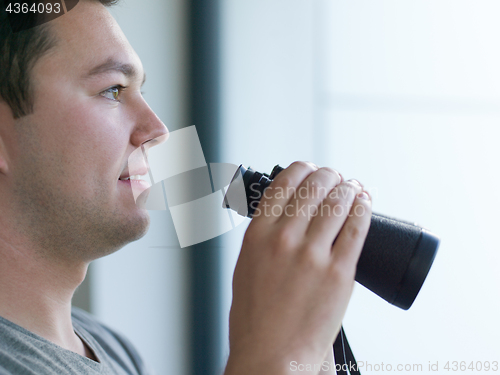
point(148, 126)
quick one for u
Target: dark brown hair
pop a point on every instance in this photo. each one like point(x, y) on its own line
point(19, 51)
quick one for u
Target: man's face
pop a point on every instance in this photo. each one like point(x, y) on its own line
point(68, 156)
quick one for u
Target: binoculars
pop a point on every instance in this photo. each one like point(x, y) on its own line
point(396, 257)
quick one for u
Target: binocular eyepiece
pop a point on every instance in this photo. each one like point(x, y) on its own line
point(396, 257)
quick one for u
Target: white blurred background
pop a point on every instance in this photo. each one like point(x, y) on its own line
point(404, 96)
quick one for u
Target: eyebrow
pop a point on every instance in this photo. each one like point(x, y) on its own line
point(112, 65)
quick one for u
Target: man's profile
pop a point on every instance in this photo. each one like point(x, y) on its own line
point(71, 113)
point(65, 148)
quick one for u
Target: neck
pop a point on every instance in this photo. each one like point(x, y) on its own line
point(36, 292)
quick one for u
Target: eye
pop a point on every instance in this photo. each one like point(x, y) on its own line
point(113, 93)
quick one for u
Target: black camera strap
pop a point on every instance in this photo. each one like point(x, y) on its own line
point(344, 358)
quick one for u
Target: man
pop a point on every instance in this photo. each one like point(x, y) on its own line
point(71, 113)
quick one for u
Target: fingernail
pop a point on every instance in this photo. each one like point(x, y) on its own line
point(363, 195)
point(355, 181)
point(340, 175)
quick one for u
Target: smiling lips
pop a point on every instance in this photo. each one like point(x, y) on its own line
point(136, 177)
point(135, 174)
point(136, 183)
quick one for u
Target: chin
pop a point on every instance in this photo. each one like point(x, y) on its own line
point(114, 236)
point(138, 226)
point(143, 226)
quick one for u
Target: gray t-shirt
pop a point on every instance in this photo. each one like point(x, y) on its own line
point(24, 353)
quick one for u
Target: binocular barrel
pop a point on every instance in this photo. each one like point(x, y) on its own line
point(396, 257)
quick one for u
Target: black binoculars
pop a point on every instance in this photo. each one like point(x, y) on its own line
point(396, 257)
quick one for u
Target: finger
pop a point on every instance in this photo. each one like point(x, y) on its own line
point(332, 213)
point(303, 206)
point(349, 243)
point(283, 187)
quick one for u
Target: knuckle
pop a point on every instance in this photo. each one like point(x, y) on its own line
point(331, 173)
point(328, 170)
point(353, 231)
point(282, 239)
point(302, 164)
point(281, 182)
point(310, 257)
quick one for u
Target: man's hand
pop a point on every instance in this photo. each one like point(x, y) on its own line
point(291, 286)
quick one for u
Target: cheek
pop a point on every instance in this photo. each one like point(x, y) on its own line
point(89, 140)
point(94, 124)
